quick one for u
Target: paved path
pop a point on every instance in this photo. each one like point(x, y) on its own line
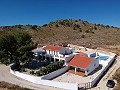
point(102, 84)
point(6, 76)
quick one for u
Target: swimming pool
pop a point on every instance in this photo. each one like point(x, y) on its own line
point(102, 57)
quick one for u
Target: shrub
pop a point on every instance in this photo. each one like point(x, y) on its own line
point(83, 23)
point(107, 26)
point(34, 27)
point(32, 72)
point(76, 20)
point(87, 31)
point(50, 68)
point(117, 75)
point(74, 28)
point(77, 25)
point(62, 23)
point(83, 36)
point(65, 44)
point(44, 25)
point(22, 69)
point(38, 73)
point(92, 32)
point(57, 25)
point(80, 30)
point(95, 28)
point(5, 61)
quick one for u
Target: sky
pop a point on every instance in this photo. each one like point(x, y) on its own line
point(40, 12)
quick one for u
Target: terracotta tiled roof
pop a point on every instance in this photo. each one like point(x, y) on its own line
point(81, 62)
point(82, 54)
point(54, 48)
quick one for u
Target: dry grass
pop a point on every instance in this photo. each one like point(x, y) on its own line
point(8, 86)
point(105, 38)
point(102, 37)
point(116, 76)
point(72, 31)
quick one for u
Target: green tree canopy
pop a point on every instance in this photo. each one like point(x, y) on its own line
point(15, 46)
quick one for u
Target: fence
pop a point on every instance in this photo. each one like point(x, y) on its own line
point(38, 80)
point(55, 73)
point(85, 85)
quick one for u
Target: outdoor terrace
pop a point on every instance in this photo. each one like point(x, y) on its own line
point(77, 72)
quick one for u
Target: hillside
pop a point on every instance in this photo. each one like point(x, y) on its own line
point(77, 32)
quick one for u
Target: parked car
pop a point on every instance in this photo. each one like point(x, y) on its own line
point(110, 83)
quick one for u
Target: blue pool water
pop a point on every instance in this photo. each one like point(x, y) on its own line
point(102, 57)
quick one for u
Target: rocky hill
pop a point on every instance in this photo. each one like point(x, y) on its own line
point(77, 32)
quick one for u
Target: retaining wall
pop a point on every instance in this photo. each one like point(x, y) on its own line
point(101, 74)
point(38, 80)
point(55, 73)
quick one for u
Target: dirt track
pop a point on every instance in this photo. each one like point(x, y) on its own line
point(102, 84)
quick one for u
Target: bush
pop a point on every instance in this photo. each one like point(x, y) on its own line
point(95, 28)
point(83, 36)
point(50, 68)
point(78, 26)
point(38, 73)
point(22, 69)
point(80, 30)
point(74, 28)
point(65, 44)
point(32, 72)
point(92, 32)
point(57, 25)
point(34, 27)
point(44, 25)
point(5, 61)
point(117, 75)
point(87, 31)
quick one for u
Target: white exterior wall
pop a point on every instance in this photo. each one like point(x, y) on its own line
point(37, 80)
point(107, 66)
point(27, 77)
point(93, 65)
point(47, 51)
point(55, 54)
point(52, 52)
point(55, 73)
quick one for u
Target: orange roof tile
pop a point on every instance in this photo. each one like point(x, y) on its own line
point(54, 48)
point(82, 54)
point(82, 62)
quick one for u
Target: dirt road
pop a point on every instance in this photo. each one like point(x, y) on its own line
point(102, 84)
point(6, 76)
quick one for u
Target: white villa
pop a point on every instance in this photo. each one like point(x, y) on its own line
point(82, 63)
point(57, 52)
point(79, 62)
point(83, 67)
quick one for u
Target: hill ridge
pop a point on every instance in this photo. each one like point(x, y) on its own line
point(71, 31)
